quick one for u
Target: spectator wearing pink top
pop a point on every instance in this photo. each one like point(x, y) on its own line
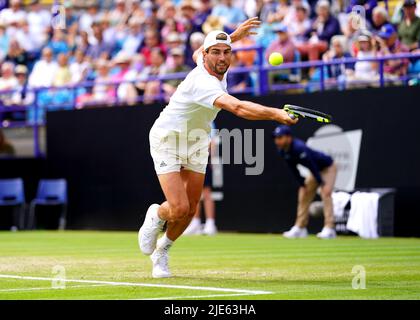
point(283, 44)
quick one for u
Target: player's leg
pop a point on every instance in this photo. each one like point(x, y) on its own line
point(210, 212)
point(194, 228)
point(192, 183)
point(305, 196)
point(328, 175)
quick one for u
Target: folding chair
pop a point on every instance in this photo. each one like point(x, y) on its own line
point(12, 194)
point(51, 192)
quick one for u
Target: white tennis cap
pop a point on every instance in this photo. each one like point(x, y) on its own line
point(215, 37)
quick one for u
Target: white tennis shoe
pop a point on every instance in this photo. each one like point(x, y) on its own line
point(150, 229)
point(327, 233)
point(210, 229)
point(160, 260)
point(194, 228)
point(295, 233)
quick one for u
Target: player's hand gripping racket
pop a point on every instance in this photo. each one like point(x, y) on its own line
point(301, 112)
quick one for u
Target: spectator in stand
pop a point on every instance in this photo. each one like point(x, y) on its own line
point(79, 67)
point(137, 10)
point(4, 42)
point(283, 44)
point(71, 17)
point(150, 89)
point(134, 39)
point(100, 49)
point(204, 9)
point(39, 20)
point(173, 41)
point(365, 72)
point(291, 11)
point(323, 28)
point(58, 43)
point(119, 14)
point(8, 81)
point(13, 14)
point(237, 82)
point(151, 41)
point(230, 15)
point(299, 24)
point(196, 41)
point(379, 18)
point(22, 97)
point(82, 41)
point(169, 86)
point(269, 11)
point(44, 70)
point(338, 50)
point(6, 148)
point(368, 6)
point(390, 44)
point(28, 40)
point(88, 17)
point(354, 26)
point(245, 57)
point(409, 28)
point(62, 76)
point(16, 54)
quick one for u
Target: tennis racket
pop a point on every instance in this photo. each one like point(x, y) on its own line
point(301, 112)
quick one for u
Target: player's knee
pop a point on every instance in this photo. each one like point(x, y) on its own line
point(180, 210)
point(193, 209)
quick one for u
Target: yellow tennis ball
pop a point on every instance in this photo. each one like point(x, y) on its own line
point(275, 59)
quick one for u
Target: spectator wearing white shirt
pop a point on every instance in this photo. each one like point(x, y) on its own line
point(88, 17)
point(13, 14)
point(134, 38)
point(39, 20)
point(79, 67)
point(44, 70)
point(8, 81)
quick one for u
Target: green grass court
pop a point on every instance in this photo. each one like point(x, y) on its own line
point(109, 265)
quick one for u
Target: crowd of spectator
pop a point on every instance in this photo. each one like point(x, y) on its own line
point(115, 46)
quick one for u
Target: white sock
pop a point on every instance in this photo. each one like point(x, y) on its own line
point(210, 222)
point(195, 221)
point(164, 243)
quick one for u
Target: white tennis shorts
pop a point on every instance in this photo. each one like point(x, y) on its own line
point(173, 150)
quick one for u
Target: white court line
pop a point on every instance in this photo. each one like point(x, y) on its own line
point(51, 288)
point(136, 284)
point(196, 297)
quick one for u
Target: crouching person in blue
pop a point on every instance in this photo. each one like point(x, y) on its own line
point(323, 173)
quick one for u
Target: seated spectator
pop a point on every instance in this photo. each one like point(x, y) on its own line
point(58, 43)
point(298, 25)
point(354, 26)
point(268, 11)
point(4, 42)
point(62, 76)
point(8, 81)
point(151, 41)
point(134, 39)
point(44, 70)
point(291, 12)
point(282, 11)
point(323, 28)
point(89, 16)
point(230, 15)
point(337, 73)
point(368, 6)
point(237, 82)
point(196, 41)
point(390, 44)
point(103, 92)
point(39, 20)
point(173, 41)
point(78, 67)
point(398, 14)
point(6, 148)
point(150, 89)
point(283, 44)
point(28, 40)
point(16, 54)
point(22, 96)
point(204, 9)
point(100, 49)
point(13, 14)
point(245, 57)
point(409, 28)
point(365, 72)
point(119, 14)
point(169, 86)
point(379, 18)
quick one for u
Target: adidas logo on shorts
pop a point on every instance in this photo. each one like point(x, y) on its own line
point(163, 164)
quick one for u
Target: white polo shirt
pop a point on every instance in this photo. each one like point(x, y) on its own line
point(191, 106)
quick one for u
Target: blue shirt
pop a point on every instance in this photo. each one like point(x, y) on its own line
point(300, 153)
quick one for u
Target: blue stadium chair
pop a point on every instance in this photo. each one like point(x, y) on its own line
point(51, 192)
point(12, 194)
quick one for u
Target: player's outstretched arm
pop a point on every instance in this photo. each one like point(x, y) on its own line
point(244, 29)
point(252, 111)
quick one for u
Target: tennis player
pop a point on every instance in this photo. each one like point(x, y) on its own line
point(179, 141)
